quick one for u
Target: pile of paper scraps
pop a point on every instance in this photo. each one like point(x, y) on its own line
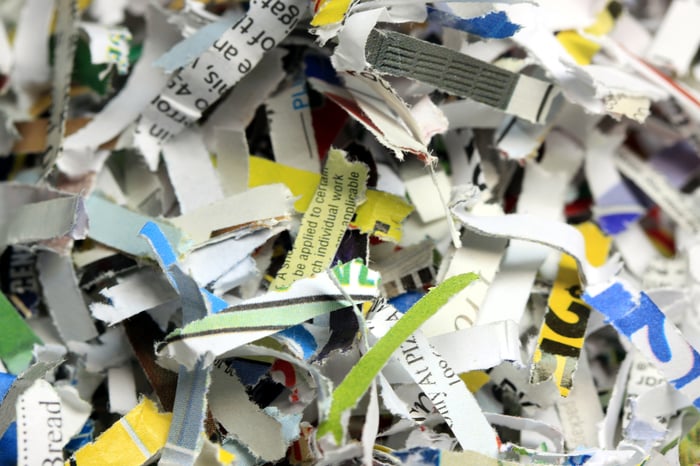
point(349, 232)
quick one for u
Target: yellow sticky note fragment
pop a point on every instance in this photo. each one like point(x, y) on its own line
point(332, 207)
point(581, 49)
point(330, 11)
point(132, 440)
point(382, 214)
point(474, 380)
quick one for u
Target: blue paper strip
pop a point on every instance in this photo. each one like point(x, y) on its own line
point(645, 325)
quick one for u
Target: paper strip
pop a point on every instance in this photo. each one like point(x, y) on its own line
point(676, 26)
point(638, 319)
point(479, 347)
point(189, 410)
point(46, 421)
point(18, 340)
point(196, 87)
point(122, 389)
point(145, 81)
point(261, 205)
point(445, 390)
point(493, 25)
point(561, 335)
point(187, 427)
point(191, 172)
point(341, 188)
point(118, 227)
point(133, 293)
point(131, 441)
point(678, 206)
point(459, 74)
point(382, 213)
point(356, 382)
point(65, 38)
point(291, 129)
point(260, 317)
point(329, 11)
point(242, 418)
point(64, 298)
point(23, 381)
point(551, 233)
point(62, 215)
point(580, 413)
point(31, 71)
point(478, 253)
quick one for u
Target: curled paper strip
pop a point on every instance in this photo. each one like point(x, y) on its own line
point(554, 234)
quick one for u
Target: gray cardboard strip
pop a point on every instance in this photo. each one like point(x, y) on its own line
point(397, 54)
point(455, 73)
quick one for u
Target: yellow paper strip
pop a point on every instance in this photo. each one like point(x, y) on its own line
point(133, 440)
point(561, 335)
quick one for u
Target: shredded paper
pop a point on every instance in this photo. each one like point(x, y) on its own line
point(349, 232)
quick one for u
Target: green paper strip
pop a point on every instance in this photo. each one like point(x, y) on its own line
point(18, 339)
point(358, 380)
point(270, 315)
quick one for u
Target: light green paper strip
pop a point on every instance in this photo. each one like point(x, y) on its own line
point(356, 383)
point(275, 315)
point(17, 342)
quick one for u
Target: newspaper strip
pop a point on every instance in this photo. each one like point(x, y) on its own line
point(19, 385)
point(341, 188)
point(381, 214)
point(291, 127)
point(358, 380)
point(46, 421)
point(440, 383)
point(195, 87)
